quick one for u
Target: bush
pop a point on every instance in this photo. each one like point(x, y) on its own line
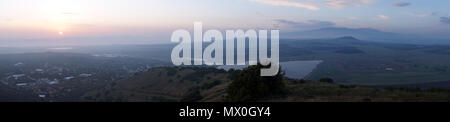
point(192, 95)
point(326, 80)
point(248, 85)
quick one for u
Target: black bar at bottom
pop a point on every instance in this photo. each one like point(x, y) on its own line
point(234, 111)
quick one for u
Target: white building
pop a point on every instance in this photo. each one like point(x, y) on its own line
point(17, 76)
point(18, 64)
point(85, 75)
point(68, 78)
point(21, 84)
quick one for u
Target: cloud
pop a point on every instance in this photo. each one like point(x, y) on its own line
point(330, 3)
point(353, 18)
point(435, 14)
point(287, 3)
point(344, 3)
point(420, 15)
point(401, 4)
point(445, 20)
point(83, 25)
point(307, 25)
point(68, 13)
point(6, 19)
point(383, 17)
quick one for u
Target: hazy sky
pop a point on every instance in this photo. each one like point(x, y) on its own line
point(153, 20)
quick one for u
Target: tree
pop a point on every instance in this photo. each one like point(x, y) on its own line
point(192, 95)
point(326, 80)
point(248, 85)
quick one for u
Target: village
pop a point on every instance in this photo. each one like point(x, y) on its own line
point(52, 82)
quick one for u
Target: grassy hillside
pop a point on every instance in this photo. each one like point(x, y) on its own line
point(167, 84)
point(209, 84)
point(313, 91)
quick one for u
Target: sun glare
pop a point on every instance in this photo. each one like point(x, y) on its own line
point(61, 33)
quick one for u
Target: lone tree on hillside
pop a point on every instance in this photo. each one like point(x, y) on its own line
point(248, 85)
point(326, 80)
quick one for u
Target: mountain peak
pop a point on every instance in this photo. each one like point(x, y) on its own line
point(347, 38)
point(350, 29)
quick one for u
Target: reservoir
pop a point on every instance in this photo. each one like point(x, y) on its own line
point(292, 69)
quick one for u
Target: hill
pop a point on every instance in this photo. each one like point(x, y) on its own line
point(167, 84)
point(210, 84)
point(361, 33)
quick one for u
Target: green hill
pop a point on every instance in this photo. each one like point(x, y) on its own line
point(166, 84)
point(209, 84)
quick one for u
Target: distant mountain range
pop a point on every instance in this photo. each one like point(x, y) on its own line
point(368, 34)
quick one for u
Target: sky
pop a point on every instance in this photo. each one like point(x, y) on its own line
point(152, 21)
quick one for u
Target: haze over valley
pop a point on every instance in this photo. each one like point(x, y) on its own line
point(329, 50)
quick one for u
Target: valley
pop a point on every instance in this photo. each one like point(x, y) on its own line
point(144, 73)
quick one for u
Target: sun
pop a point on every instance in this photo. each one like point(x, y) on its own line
point(61, 33)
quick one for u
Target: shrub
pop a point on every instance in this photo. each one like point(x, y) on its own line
point(192, 95)
point(248, 85)
point(326, 80)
